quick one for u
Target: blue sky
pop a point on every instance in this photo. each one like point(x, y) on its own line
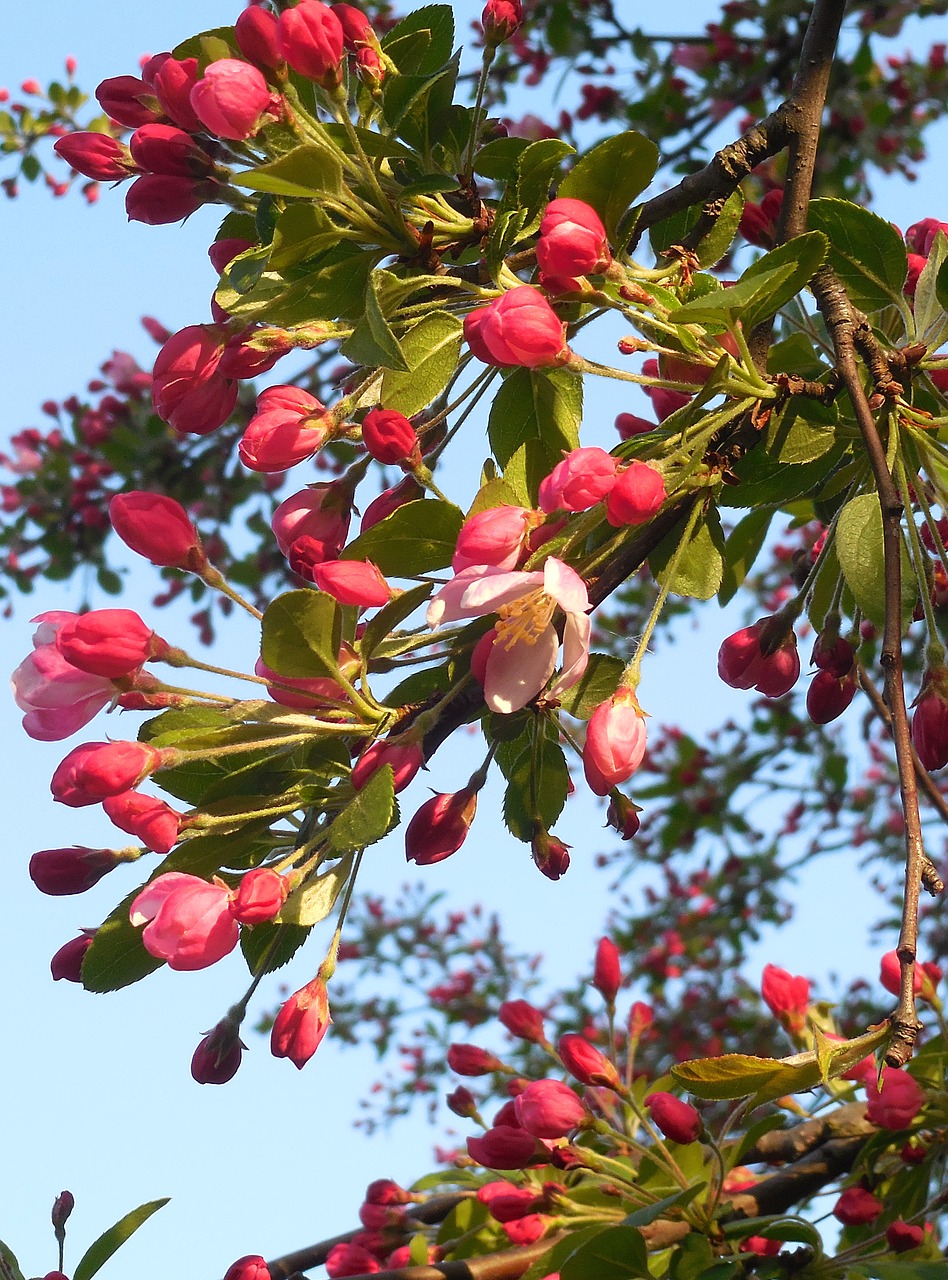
point(97, 1091)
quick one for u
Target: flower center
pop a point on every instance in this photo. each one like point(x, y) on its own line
point(523, 621)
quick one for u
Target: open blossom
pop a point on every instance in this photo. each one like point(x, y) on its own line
point(188, 921)
point(57, 697)
point(523, 655)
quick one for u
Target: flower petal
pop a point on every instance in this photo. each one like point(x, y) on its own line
point(489, 592)
point(565, 586)
point(517, 674)
point(575, 651)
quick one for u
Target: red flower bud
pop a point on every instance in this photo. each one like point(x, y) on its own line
point(550, 855)
point(95, 770)
point(108, 642)
point(157, 200)
point(390, 437)
point(549, 1109)
point(128, 100)
point(67, 871)
point(641, 1017)
point(158, 528)
point(930, 719)
point(897, 1103)
point(505, 1147)
point(462, 1102)
point(230, 99)
point(385, 1191)
point(149, 819)
point(623, 816)
point(523, 1020)
point(440, 827)
point(67, 962)
point(161, 148)
point(405, 758)
point(470, 1060)
point(289, 426)
point(828, 696)
point(518, 328)
point(584, 1061)
point(786, 996)
point(256, 34)
point(607, 971)
point(310, 38)
point(352, 582)
point(636, 496)
point(583, 478)
point(407, 490)
point(834, 654)
point(857, 1207)
point(500, 20)
point(217, 1058)
point(572, 240)
point(96, 155)
point(173, 81)
point(675, 1119)
point(63, 1206)
point(249, 1267)
point(901, 1236)
point(301, 1024)
point(743, 664)
point(260, 896)
point(188, 921)
point(188, 390)
point(350, 1259)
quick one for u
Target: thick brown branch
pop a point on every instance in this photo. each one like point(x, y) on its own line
point(780, 1146)
point(797, 1182)
point(842, 323)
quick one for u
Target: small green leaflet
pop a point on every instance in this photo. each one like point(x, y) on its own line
point(98, 1253)
point(431, 349)
point(314, 900)
point(367, 816)
point(618, 1253)
point(859, 545)
point(301, 635)
point(306, 171)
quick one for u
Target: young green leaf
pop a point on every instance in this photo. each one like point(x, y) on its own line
point(98, 1253)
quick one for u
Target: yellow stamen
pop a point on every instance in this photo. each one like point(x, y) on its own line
point(524, 620)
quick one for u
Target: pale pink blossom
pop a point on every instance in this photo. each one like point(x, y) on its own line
point(57, 697)
point(188, 921)
point(523, 655)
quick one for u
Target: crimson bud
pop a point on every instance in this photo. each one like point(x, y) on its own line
point(390, 437)
point(901, 1236)
point(158, 528)
point(256, 34)
point(572, 240)
point(230, 99)
point(607, 972)
point(470, 1060)
point(522, 1019)
point(96, 155)
point(505, 1147)
point(518, 328)
point(675, 1119)
point(440, 827)
point(108, 642)
point(250, 1267)
point(857, 1207)
point(95, 770)
point(217, 1058)
point(300, 1025)
point(636, 496)
point(549, 1109)
point(309, 37)
point(749, 659)
point(930, 719)
point(260, 896)
point(500, 20)
point(68, 871)
point(897, 1103)
point(67, 962)
point(584, 1061)
point(787, 997)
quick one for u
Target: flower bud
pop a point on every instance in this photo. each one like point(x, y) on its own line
point(321, 512)
point(584, 1061)
point(230, 99)
point(96, 155)
point(67, 871)
point(743, 663)
point(470, 1060)
point(549, 1109)
point(787, 997)
point(188, 921)
point(407, 490)
point(901, 1236)
point(260, 896)
point(641, 1017)
point(128, 100)
point(405, 758)
point(163, 149)
point(250, 1267)
point(256, 34)
point(497, 536)
point(623, 816)
point(500, 20)
point(300, 1025)
point(349, 1258)
point(930, 719)
point(675, 1119)
point(63, 1206)
point(357, 31)
point(583, 478)
point(150, 820)
point(522, 1019)
point(572, 240)
point(158, 528)
point(188, 390)
point(173, 82)
point(158, 200)
point(615, 742)
point(828, 697)
point(385, 1191)
point(607, 971)
point(518, 328)
point(462, 1102)
point(390, 437)
point(95, 770)
point(831, 652)
point(352, 582)
point(636, 496)
point(665, 402)
point(289, 426)
point(505, 1147)
point(67, 962)
point(550, 855)
point(921, 236)
point(897, 1103)
point(108, 642)
point(217, 1058)
point(310, 38)
point(857, 1207)
point(440, 827)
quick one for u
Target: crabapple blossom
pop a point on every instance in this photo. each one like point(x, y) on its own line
point(471, 1060)
point(289, 426)
point(173, 81)
point(255, 32)
point(158, 528)
point(128, 100)
point(857, 1207)
point(615, 742)
point(636, 495)
point(584, 1061)
point(157, 199)
point(66, 964)
point(828, 696)
point(321, 512)
point(787, 997)
point(743, 664)
point(897, 1102)
point(108, 642)
point(523, 1020)
point(925, 979)
point(96, 770)
point(583, 478)
point(57, 698)
point(500, 19)
point(230, 99)
point(301, 1023)
point(188, 391)
point(188, 921)
point(260, 895)
point(166, 150)
point(901, 1236)
point(505, 1147)
point(350, 1259)
point(674, 1118)
point(549, 1109)
point(440, 826)
point(930, 719)
point(151, 820)
point(251, 1266)
point(572, 240)
point(518, 328)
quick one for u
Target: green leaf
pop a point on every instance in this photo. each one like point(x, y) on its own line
point(941, 285)
point(749, 296)
point(422, 42)
point(886, 1270)
point(860, 552)
point(301, 632)
point(388, 617)
point(314, 900)
point(431, 348)
point(741, 1075)
point(495, 493)
point(865, 251)
point(618, 1253)
point(498, 159)
point(741, 549)
point(306, 171)
point(117, 957)
point(805, 254)
point(928, 308)
point(418, 537)
point(534, 420)
point(714, 245)
point(8, 1259)
point(98, 1253)
point(538, 167)
point(652, 1212)
point(611, 175)
point(765, 481)
point(271, 944)
point(372, 342)
point(368, 815)
point(599, 682)
point(302, 231)
point(537, 787)
point(691, 1259)
point(700, 568)
point(552, 1261)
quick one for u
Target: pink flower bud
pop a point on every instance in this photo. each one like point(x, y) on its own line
point(158, 528)
point(630, 424)
point(189, 392)
point(390, 437)
point(857, 1207)
point(158, 200)
point(57, 697)
point(173, 82)
point(149, 819)
point(636, 496)
point(321, 512)
point(249, 1267)
point(67, 871)
point(128, 100)
point(223, 252)
point(549, 1109)
point(313, 690)
point(385, 1191)
point(407, 490)
point(615, 742)
point(161, 148)
point(743, 664)
point(833, 654)
point(641, 1017)
point(497, 536)
point(260, 896)
point(921, 236)
point(440, 827)
point(522, 1019)
point(582, 479)
point(507, 1203)
point(217, 1058)
point(256, 34)
point(758, 223)
point(470, 1060)
point(828, 697)
point(505, 1147)
point(675, 1119)
point(518, 328)
point(289, 426)
point(95, 770)
point(230, 99)
point(353, 582)
point(930, 719)
point(607, 971)
point(300, 1025)
point(787, 997)
point(96, 155)
point(108, 642)
point(664, 401)
point(188, 921)
point(310, 38)
point(66, 964)
point(357, 31)
point(349, 1258)
point(527, 1230)
point(901, 1236)
point(916, 265)
point(584, 1061)
point(572, 240)
point(500, 20)
point(897, 1103)
point(550, 855)
point(405, 758)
